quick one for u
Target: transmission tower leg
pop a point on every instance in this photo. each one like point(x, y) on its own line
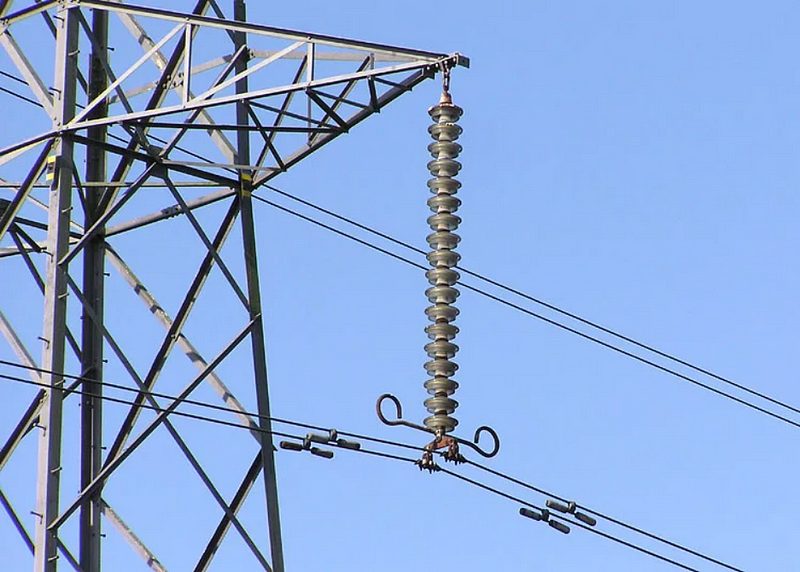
point(93, 289)
point(55, 303)
point(254, 295)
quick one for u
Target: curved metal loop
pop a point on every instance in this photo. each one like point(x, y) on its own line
point(399, 413)
point(477, 438)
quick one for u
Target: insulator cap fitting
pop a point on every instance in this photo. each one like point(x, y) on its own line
point(447, 186)
point(444, 149)
point(441, 385)
point(441, 423)
point(441, 349)
point(443, 240)
point(443, 221)
point(441, 312)
point(444, 167)
point(441, 331)
point(445, 131)
point(441, 294)
point(441, 368)
point(442, 276)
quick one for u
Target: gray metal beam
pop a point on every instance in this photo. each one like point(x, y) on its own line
point(249, 28)
point(184, 448)
point(55, 305)
point(150, 302)
point(114, 463)
point(26, 69)
point(91, 451)
point(170, 338)
point(211, 102)
point(131, 538)
point(156, 99)
point(224, 525)
point(198, 228)
point(141, 36)
point(26, 538)
point(257, 338)
point(7, 218)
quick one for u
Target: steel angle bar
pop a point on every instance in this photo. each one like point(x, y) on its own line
point(22, 353)
point(16, 149)
point(139, 33)
point(195, 114)
point(250, 95)
point(168, 342)
point(333, 56)
point(232, 127)
point(386, 98)
point(31, 10)
point(224, 525)
point(26, 538)
point(267, 140)
point(389, 96)
point(130, 155)
point(48, 20)
point(110, 212)
point(22, 428)
point(150, 302)
point(247, 72)
point(167, 423)
point(5, 6)
point(168, 69)
point(187, 63)
point(127, 73)
point(113, 463)
point(101, 54)
point(262, 54)
point(130, 537)
point(14, 207)
point(281, 113)
point(26, 69)
point(211, 249)
point(329, 111)
point(257, 29)
point(257, 337)
point(68, 555)
point(169, 212)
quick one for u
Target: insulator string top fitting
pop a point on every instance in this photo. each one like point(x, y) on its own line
point(442, 258)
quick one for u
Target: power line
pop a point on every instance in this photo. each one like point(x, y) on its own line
point(571, 522)
point(538, 301)
point(542, 317)
point(502, 286)
point(359, 437)
point(187, 401)
point(603, 516)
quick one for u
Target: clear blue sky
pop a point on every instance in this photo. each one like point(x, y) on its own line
point(631, 162)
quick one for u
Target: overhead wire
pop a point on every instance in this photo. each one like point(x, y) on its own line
point(509, 289)
point(539, 301)
point(358, 436)
point(480, 292)
point(541, 317)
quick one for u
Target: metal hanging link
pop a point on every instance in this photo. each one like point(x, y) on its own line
point(443, 278)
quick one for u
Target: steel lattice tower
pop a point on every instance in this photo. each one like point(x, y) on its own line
point(200, 83)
